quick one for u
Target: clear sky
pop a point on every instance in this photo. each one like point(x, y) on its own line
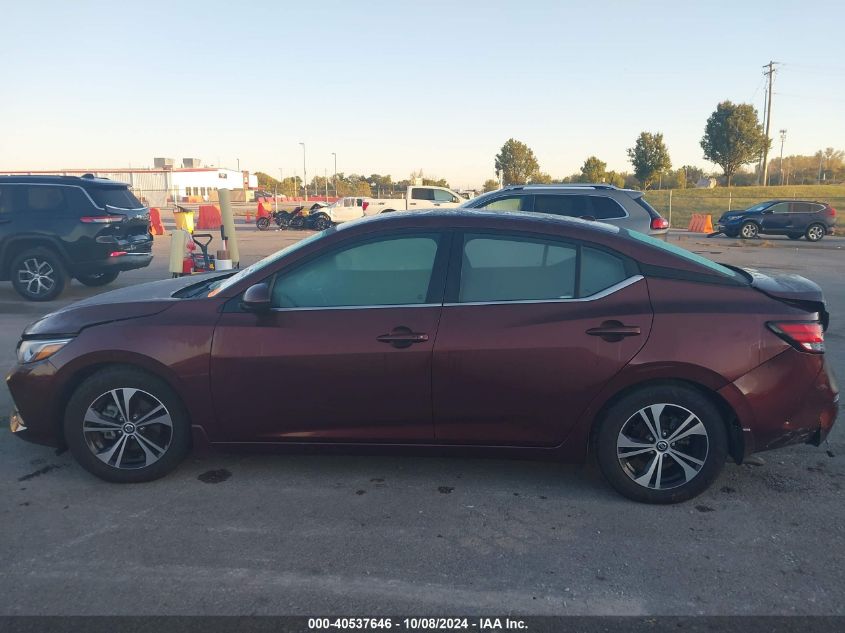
point(394, 86)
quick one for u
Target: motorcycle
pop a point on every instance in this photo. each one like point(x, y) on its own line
point(295, 220)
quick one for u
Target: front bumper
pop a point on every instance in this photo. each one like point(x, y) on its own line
point(34, 390)
point(790, 399)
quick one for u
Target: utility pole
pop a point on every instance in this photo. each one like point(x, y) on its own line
point(304, 173)
point(335, 173)
point(782, 139)
point(770, 73)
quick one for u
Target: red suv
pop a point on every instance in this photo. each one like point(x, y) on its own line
point(467, 331)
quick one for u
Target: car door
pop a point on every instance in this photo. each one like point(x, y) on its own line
point(777, 218)
point(801, 214)
point(531, 330)
point(345, 352)
point(347, 210)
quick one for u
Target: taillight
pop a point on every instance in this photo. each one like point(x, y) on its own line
point(659, 223)
point(364, 205)
point(831, 212)
point(807, 336)
point(102, 219)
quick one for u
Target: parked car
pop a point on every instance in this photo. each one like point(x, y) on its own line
point(347, 208)
point(627, 208)
point(417, 197)
point(464, 331)
point(793, 218)
point(53, 228)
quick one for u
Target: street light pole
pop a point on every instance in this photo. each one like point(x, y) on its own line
point(782, 139)
point(239, 163)
point(304, 173)
point(335, 173)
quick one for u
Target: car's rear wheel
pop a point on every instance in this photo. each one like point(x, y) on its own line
point(95, 280)
point(662, 444)
point(126, 426)
point(38, 274)
point(794, 236)
point(815, 232)
point(749, 231)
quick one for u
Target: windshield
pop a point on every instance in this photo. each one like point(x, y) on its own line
point(761, 206)
point(221, 284)
point(683, 253)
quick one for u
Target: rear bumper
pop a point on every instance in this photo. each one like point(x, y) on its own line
point(791, 399)
point(127, 261)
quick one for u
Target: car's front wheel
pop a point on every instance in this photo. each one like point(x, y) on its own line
point(95, 280)
point(125, 425)
point(749, 230)
point(38, 274)
point(815, 232)
point(662, 444)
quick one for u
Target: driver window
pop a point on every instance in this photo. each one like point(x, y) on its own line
point(390, 271)
point(780, 207)
point(443, 196)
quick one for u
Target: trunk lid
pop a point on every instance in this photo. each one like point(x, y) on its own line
point(794, 290)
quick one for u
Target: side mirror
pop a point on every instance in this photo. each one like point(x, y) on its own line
point(257, 298)
point(767, 212)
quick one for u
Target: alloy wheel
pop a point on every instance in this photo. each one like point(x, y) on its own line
point(749, 230)
point(815, 233)
point(37, 276)
point(127, 428)
point(662, 446)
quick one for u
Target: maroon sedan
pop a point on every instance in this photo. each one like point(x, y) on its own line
point(464, 331)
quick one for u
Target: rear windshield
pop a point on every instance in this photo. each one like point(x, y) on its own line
point(645, 205)
point(683, 253)
point(116, 197)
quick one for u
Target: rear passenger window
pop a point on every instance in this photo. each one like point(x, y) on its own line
point(509, 203)
point(605, 208)
point(572, 206)
point(516, 269)
point(45, 199)
point(599, 271)
point(421, 193)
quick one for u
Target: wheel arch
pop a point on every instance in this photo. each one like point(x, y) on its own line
point(85, 367)
point(736, 442)
point(16, 245)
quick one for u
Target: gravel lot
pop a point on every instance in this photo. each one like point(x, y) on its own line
point(379, 535)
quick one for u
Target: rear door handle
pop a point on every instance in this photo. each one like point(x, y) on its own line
point(402, 337)
point(614, 331)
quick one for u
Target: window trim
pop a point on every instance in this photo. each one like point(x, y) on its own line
point(453, 275)
point(436, 285)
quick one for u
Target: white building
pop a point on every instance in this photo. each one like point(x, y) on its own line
point(159, 186)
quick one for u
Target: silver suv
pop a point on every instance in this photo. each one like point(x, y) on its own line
point(626, 208)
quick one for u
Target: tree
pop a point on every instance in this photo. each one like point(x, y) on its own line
point(593, 170)
point(692, 175)
point(541, 178)
point(612, 178)
point(490, 185)
point(516, 163)
point(266, 182)
point(733, 137)
point(649, 157)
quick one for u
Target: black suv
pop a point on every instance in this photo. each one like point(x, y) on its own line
point(56, 227)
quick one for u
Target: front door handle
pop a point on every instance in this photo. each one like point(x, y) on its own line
point(402, 337)
point(614, 331)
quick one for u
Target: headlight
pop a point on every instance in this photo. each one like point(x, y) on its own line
point(35, 350)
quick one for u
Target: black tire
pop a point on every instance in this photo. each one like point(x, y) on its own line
point(38, 274)
point(95, 280)
point(95, 392)
point(676, 482)
point(815, 232)
point(321, 223)
point(263, 223)
point(794, 236)
point(749, 230)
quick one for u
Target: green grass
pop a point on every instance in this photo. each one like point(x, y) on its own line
point(685, 202)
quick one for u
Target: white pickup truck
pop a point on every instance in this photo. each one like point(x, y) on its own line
point(417, 197)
